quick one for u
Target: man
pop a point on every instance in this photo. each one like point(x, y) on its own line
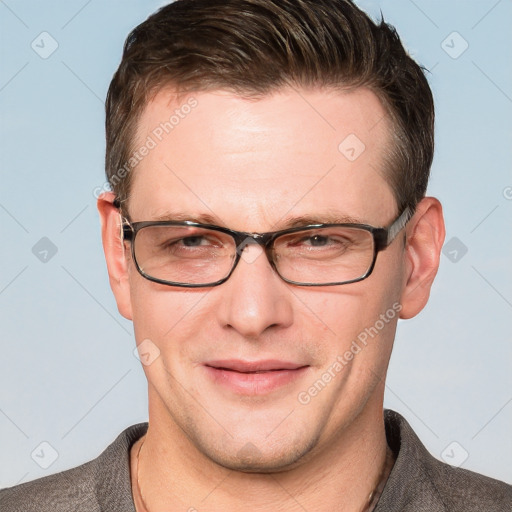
point(269, 161)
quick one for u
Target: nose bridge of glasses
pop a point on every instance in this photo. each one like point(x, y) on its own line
point(243, 240)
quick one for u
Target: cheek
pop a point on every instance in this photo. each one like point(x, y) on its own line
point(171, 321)
point(365, 311)
point(340, 312)
point(162, 313)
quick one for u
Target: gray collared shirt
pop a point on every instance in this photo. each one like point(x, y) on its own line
point(418, 482)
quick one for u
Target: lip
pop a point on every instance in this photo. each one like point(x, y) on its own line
point(239, 365)
point(254, 377)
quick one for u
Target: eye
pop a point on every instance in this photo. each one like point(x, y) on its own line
point(318, 240)
point(192, 241)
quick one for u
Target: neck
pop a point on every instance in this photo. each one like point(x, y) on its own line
point(173, 475)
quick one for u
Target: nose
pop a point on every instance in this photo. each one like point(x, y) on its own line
point(254, 298)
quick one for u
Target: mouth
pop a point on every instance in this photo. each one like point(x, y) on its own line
point(254, 377)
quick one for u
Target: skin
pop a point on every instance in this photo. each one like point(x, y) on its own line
point(253, 166)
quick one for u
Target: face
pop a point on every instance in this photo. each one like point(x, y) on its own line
point(257, 373)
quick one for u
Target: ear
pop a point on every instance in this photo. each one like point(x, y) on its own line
point(115, 253)
point(425, 234)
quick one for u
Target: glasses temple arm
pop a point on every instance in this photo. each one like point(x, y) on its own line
point(399, 224)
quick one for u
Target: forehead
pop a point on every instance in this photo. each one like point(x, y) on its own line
point(252, 161)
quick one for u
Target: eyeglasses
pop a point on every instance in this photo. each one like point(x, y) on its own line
point(194, 255)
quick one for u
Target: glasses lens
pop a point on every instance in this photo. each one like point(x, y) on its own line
point(184, 254)
point(324, 255)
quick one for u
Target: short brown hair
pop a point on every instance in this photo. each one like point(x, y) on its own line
point(253, 47)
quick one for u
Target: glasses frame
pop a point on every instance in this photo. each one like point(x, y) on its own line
point(382, 238)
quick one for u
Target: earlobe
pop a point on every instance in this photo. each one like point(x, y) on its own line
point(114, 250)
point(425, 237)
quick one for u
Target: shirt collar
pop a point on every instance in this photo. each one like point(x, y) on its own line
point(409, 486)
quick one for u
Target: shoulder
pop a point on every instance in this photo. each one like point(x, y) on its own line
point(420, 482)
point(467, 491)
point(55, 492)
point(100, 485)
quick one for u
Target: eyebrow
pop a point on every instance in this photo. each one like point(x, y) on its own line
point(319, 218)
point(286, 222)
point(200, 218)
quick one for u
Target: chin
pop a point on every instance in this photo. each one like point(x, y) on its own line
point(270, 458)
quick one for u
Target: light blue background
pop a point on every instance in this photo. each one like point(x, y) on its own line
point(68, 375)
